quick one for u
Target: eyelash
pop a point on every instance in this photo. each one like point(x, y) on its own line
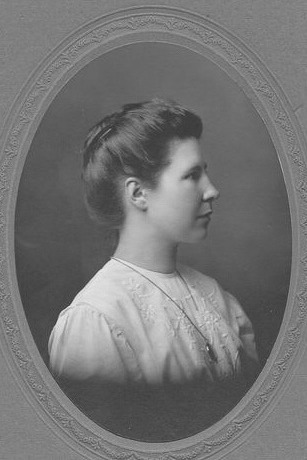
point(195, 175)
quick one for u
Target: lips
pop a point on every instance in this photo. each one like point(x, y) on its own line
point(205, 214)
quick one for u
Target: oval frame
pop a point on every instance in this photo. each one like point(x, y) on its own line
point(199, 34)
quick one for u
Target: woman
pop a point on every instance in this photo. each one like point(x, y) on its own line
point(146, 335)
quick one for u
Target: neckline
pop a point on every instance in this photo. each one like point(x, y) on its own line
point(146, 270)
point(142, 271)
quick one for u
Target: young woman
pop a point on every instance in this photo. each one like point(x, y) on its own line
point(155, 340)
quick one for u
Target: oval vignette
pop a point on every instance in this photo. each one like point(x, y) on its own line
point(248, 249)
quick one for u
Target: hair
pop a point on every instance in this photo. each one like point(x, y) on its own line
point(132, 142)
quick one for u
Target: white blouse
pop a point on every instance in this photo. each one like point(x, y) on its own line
point(121, 328)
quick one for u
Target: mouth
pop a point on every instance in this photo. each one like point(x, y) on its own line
point(206, 215)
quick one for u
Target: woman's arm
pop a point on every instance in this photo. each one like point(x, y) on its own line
point(248, 351)
point(85, 345)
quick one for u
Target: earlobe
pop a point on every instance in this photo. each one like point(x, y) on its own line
point(136, 193)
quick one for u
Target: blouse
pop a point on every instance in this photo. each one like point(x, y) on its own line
point(138, 363)
point(122, 328)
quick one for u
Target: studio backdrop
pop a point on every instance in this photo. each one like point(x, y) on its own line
point(255, 246)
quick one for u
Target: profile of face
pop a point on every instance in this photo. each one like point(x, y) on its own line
point(180, 205)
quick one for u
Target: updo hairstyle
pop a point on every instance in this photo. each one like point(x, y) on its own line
point(132, 142)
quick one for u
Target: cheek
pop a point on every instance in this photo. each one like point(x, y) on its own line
point(176, 205)
point(189, 204)
point(181, 218)
point(185, 208)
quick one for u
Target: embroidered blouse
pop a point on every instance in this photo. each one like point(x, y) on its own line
point(122, 332)
point(121, 328)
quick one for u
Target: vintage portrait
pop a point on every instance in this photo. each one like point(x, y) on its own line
point(153, 242)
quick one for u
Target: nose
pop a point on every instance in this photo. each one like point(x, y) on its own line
point(210, 192)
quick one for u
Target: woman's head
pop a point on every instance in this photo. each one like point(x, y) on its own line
point(133, 142)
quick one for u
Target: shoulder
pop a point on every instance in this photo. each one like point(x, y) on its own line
point(109, 299)
point(108, 278)
point(99, 306)
point(107, 291)
point(90, 336)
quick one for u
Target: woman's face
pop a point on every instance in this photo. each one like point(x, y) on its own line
point(180, 205)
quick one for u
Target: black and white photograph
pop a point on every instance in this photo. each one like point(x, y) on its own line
point(153, 217)
point(148, 265)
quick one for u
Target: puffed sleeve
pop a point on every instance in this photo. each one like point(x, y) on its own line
point(85, 344)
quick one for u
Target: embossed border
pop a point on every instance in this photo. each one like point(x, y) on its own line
point(200, 35)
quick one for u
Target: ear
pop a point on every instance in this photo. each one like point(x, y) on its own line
point(136, 193)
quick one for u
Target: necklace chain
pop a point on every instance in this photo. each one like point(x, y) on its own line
point(209, 348)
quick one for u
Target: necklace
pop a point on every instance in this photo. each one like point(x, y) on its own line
point(208, 347)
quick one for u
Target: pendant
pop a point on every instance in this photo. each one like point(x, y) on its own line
point(210, 352)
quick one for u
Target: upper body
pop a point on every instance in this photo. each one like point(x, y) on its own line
point(156, 340)
point(134, 363)
point(121, 328)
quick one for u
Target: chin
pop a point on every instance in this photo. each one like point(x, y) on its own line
point(197, 238)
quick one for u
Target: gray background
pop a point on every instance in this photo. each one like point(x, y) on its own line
point(248, 249)
point(275, 30)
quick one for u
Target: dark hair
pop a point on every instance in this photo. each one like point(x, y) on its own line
point(132, 142)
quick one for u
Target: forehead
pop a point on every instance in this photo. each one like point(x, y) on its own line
point(185, 154)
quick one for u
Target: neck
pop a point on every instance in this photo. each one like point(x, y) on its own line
point(147, 251)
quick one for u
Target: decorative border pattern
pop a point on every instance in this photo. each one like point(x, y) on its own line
point(137, 24)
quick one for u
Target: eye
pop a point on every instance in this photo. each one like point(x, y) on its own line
point(195, 175)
